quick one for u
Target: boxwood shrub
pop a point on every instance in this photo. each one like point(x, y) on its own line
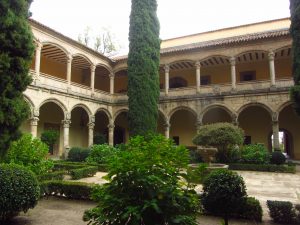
point(283, 212)
point(287, 168)
point(88, 171)
point(19, 190)
point(251, 210)
point(77, 154)
point(68, 189)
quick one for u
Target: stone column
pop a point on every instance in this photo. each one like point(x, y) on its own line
point(91, 126)
point(33, 126)
point(271, 56)
point(275, 129)
point(234, 118)
point(69, 70)
point(93, 68)
point(167, 70)
point(66, 124)
point(111, 127)
point(167, 129)
point(198, 123)
point(233, 73)
point(112, 83)
point(37, 65)
point(198, 74)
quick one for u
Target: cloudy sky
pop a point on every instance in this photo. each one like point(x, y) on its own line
point(177, 18)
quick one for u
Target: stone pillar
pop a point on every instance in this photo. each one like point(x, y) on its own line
point(199, 123)
point(37, 65)
point(33, 126)
point(93, 68)
point(167, 129)
point(111, 127)
point(112, 83)
point(275, 129)
point(69, 70)
point(234, 118)
point(271, 56)
point(198, 73)
point(91, 126)
point(66, 124)
point(233, 73)
point(167, 70)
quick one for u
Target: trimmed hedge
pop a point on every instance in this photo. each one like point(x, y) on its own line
point(250, 210)
point(68, 189)
point(283, 212)
point(56, 175)
point(83, 172)
point(263, 167)
point(77, 154)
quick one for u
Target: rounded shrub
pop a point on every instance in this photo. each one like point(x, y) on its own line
point(223, 136)
point(255, 154)
point(224, 192)
point(277, 157)
point(101, 153)
point(19, 190)
point(77, 154)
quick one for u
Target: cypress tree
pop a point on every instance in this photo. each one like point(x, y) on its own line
point(143, 67)
point(16, 51)
point(295, 33)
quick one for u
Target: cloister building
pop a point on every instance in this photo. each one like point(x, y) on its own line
point(240, 75)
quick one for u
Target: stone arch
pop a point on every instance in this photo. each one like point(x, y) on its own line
point(230, 111)
point(56, 45)
point(164, 116)
point(266, 107)
point(29, 102)
point(218, 59)
point(282, 106)
point(181, 60)
point(56, 101)
point(217, 114)
point(83, 56)
point(105, 66)
point(242, 52)
point(120, 69)
point(105, 111)
point(182, 108)
point(282, 47)
point(119, 112)
point(83, 106)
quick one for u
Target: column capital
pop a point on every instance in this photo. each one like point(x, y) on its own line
point(38, 45)
point(93, 68)
point(232, 61)
point(111, 76)
point(167, 125)
point(111, 126)
point(271, 55)
point(66, 123)
point(34, 121)
point(167, 68)
point(91, 125)
point(274, 117)
point(198, 64)
point(69, 58)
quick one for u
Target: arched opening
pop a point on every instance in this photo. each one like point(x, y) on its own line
point(216, 115)
point(50, 118)
point(285, 142)
point(121, 131)
point(252, 66)
point(81, 71)
point(283, 63)
point(53, 62)
point(79, 128)
point(256, 122)
point(183, 127)
point(101, 129)
point(215, 70)
point(182, 74)
point(121, 81)
point(289, 122)
point(102, 81)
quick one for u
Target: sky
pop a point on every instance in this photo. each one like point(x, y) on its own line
point(177, 18)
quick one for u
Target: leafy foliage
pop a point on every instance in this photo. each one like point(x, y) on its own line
point(19, 190)
point(100, 154)
point(282, 212)
point(30, 152)
point(250, 209)
point(277, 157)
point(223, 136)
point(100, 139)
point(16, 51)
point(295, 33)
point(145, 186)
point(255, 153)
point(50, 137)
point(224, 192)
point(77, 154)
point(143, 67)
point(263, 167)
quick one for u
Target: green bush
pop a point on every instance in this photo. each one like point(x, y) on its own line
point(282, 212)
point(255, 154)
point(251, 210)
point(77, 154)
point(145, 186)
point(50, 137)
point(223, 136)
point(88, 171)
point(19, 190)
point(100, 139)
point(68, 189)
point(100, 154)
point(55, 175)
point(197, 174)
point(277, 157)
point(30, 152)
point(263, 167)
point(224, 192)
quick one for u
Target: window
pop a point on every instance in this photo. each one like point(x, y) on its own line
point(247, 75)
point(205, 80)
